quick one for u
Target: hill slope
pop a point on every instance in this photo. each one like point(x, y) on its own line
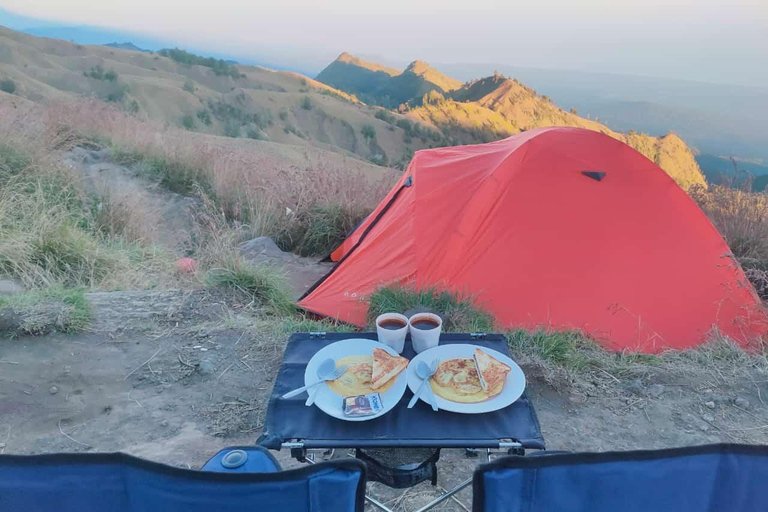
point(202, 95)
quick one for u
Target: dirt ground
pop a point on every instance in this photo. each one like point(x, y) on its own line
point(175, 376)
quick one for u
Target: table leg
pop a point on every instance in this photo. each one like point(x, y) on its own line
point(445, 496)
point(378, 504)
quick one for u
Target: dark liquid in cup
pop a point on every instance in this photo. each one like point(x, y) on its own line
point(392, 324)
point(424, 324)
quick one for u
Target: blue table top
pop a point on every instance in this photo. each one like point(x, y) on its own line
point(289, 420)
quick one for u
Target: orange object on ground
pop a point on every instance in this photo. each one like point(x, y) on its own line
point(560, 228)
point(186, 265)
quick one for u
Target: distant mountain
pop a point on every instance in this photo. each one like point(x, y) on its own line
point(127, 46)
point(721, 170)
point(717, 119)
point(380, 85)
point(488, 109)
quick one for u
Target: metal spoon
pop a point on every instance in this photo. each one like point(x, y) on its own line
point(424, 372)
point(326, 371)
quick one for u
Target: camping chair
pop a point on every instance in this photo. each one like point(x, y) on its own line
point(695, 479)
point(239, 479)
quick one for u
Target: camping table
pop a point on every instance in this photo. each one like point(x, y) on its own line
point(290, 424)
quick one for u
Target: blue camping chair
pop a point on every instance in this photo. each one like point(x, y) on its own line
point(240, 479)
point(714, 478)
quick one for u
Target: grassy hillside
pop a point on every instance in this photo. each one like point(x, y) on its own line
point(201, 95)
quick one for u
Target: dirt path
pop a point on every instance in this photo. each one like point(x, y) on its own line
point(169, 216)
point(175, 376)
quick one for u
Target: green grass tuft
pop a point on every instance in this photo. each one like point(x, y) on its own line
point(305, 324)
point(172, 174)
point(327, 227)
point(460, 312)
point(62, 309)
point(264, 285)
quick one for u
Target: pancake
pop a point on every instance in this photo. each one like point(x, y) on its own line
point(457, 380)
point(357, 379)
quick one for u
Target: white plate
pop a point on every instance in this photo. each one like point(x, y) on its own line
point(331, 403)
point(513, 387)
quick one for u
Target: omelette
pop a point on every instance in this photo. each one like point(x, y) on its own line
point(458, 380)
point(357, 379)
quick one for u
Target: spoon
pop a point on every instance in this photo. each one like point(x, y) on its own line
point(326, 371)
point(424, 372)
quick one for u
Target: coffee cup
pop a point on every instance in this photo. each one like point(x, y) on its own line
point(392, 328)
point(425, 330)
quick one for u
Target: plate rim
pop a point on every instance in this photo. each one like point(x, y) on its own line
point(376, 344)
point(458, 407)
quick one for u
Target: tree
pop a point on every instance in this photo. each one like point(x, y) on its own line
point(306, 103)
point(188, 122)
point(574, 111)
point(110, 76)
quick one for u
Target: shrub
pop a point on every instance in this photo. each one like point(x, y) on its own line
point(110, 76)
point(369, 132)
point(188, 122)
point(460, 312)
point(283, 114)
point(8, 85)
point(266, 286)
point(189, 86)
point(219, 66)
point(204, 117)
point(232, 129)
point(384, 115)
point(327, 227)
point(306, 103)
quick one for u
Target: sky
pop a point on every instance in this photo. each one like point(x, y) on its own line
point(703, 40)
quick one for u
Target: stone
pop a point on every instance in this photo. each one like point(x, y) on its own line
point(718, 399)
point(634, 386)
point(656, 390)
point(206, 367)
point(710, 405)
point(8, 287)
point(708, 418)
point(2, 445)
point(263, 249)
point(164, 423)
point(53, 390)
point(741, 402)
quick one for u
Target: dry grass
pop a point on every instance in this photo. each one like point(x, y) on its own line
point(742, 219)
point(249, 187)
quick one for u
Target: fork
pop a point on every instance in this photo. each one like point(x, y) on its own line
point(338, 372)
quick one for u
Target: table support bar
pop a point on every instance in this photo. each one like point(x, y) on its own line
point(445, 496)
point(378, 504)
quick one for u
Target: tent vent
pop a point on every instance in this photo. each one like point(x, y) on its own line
point(408, 182)
point(595, 175)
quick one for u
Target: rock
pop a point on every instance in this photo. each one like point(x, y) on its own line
point(708, 418)
point(164, 423)
point(53, 390)
point(2, 445)
point(656, 390)
point(741, 402)
point(718, 399)
point(711, 405)
point(206, 367)
point(263, 249)
point(8, 287)
point(634, 386)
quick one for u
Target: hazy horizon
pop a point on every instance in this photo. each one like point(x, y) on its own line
point(681, 39)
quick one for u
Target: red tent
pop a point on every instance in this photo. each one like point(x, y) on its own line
point(556, 227)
